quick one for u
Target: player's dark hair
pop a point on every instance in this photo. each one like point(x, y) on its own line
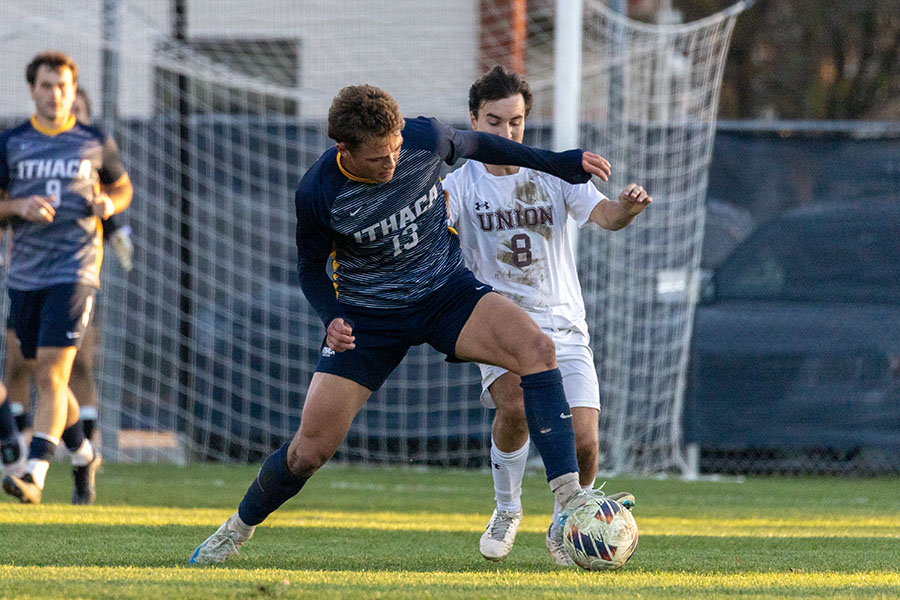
point(499, 83)
point(53, 60)
point(80, 93)
point(362, 112)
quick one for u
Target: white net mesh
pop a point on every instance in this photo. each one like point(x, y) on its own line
point(649, 99)
point(208, 345)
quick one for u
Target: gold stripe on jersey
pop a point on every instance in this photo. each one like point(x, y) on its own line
point(350, 175)
point(334, 271)
point(69, 124)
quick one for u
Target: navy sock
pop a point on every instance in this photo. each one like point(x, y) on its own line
point(8, 429)
point(550, 422)
point(89, 425)
point(73, 436)
point(22, 422)
point(41, 449)
point(274, 485)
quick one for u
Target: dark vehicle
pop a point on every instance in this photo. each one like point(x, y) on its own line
point(796, 344)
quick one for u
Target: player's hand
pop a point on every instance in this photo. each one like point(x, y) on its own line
point(339, 336)
point(596, 165)
point(102, 206)
point(634, 199)
point(37, 209)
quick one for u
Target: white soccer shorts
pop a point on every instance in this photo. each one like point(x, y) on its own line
point(576, 363)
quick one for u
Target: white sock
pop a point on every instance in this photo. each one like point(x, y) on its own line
point(557, 507)
point(508, 469)
point(238, 524)
point(564, 486)
point(38, 469)
point(88, 412)
point(84, 454)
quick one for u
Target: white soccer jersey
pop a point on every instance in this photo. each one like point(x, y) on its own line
point(513, 235)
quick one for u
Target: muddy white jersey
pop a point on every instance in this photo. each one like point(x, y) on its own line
point(513, 236)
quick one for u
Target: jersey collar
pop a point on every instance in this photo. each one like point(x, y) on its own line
point(69, 124)
point(350, 175)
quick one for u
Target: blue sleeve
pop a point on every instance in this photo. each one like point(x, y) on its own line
point(314, 246)
point(452, 144)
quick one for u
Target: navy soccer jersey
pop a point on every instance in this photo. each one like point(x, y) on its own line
point(389, 241)
point(66, 164)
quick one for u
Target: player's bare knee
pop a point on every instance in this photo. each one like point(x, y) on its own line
point(304, 461)
point(543, 353)
point(19, 371)
point(535, 352)
point(511, 410)
point(49, 379)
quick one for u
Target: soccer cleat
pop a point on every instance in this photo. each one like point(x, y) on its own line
point(85, 493)
point(14, 455)
point(22, 488)
point(624, 498)
point(498, 538)
point(555, 545)
point(123, 246)
point(223, 544)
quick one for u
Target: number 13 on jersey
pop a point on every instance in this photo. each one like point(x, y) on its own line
point(410, 235)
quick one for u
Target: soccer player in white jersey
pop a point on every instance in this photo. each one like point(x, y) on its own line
point(373, 207)
point(512, 228)
point(60, 178)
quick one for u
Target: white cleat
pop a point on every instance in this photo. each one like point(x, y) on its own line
point(123, 246)
point(497, 540)
point(224, 543)
point(555, 545)
point(555, 532)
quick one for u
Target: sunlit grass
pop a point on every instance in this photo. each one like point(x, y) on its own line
point(409, 533)
point(429, 521)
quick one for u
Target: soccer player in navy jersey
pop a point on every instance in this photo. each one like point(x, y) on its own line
point(373, 204)
point(60, 178)
point(20, 372)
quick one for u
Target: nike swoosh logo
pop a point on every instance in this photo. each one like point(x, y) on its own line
point(564, 416)
point(353, 212)
point(481, 287)
point(72, 335)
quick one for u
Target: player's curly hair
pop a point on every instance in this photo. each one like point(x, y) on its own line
point(53, 60)
point(362, 112)
point(499, 83)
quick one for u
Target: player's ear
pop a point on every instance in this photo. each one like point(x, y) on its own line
point(473, 118)
point(342, 148)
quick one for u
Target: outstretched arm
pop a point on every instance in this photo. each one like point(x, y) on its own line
point(574, 166)
point(616, 215)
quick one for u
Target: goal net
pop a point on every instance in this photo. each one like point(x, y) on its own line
point(207, 343)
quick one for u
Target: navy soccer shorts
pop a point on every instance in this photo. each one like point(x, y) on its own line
point(384, 336)
point(53, 317)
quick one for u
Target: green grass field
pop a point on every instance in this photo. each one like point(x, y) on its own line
point(409, 533)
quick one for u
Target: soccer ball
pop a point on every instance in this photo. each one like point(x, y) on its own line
point(599, 534)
